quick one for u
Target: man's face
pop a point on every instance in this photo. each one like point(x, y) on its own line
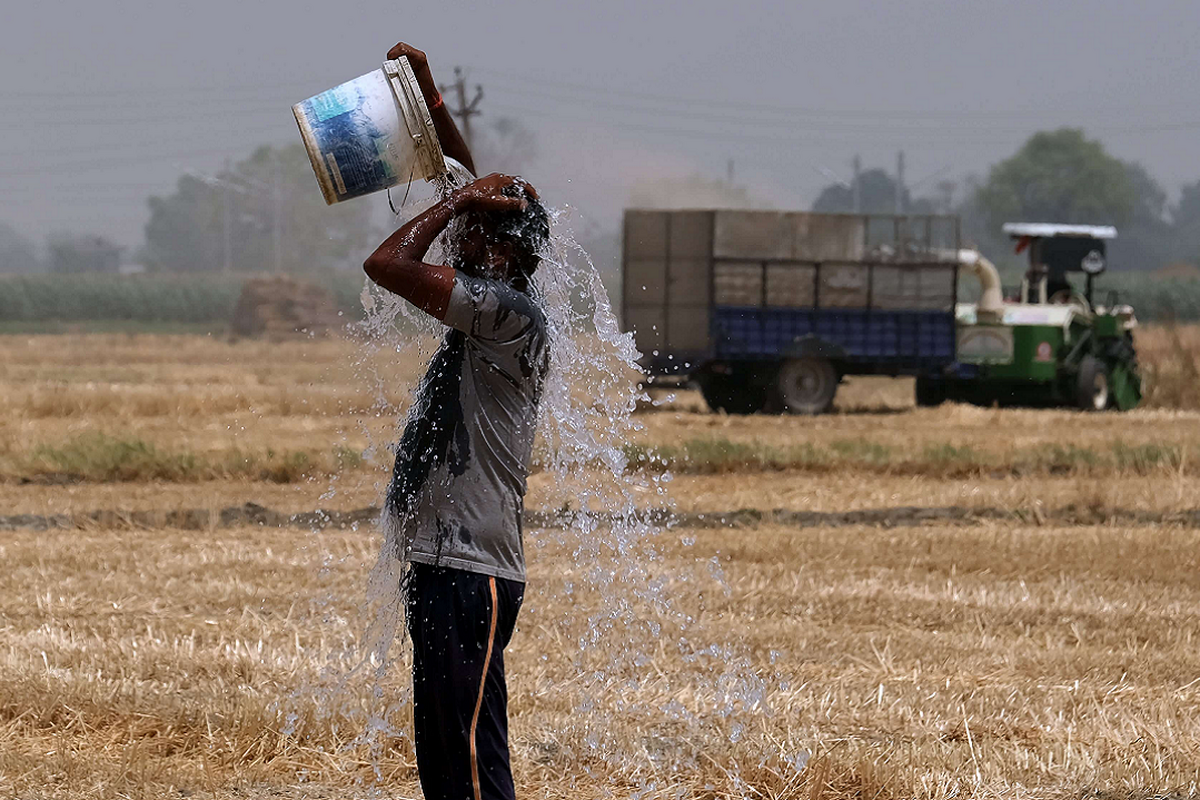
point(480, 251)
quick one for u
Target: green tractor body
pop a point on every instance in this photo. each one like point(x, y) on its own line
point(1054, 346)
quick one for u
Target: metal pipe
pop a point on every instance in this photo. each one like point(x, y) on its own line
point(991, 298)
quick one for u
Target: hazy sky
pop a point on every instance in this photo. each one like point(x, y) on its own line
point(107, 102)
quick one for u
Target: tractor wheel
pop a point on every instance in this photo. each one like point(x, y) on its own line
point(805, 386)
point(930, 392)
point(1092, 393)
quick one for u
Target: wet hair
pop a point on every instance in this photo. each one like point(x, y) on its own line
point(527, 230)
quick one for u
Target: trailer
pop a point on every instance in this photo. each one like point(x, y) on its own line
point(767, 310)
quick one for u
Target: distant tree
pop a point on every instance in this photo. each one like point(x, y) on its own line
point(978, 231)
point(186, 231)
point(75, 253)
point(1185, 219)
point(17, 254)
point(1062, 176)
point(877, 193)
point(1147, 239)
point(1059, 176)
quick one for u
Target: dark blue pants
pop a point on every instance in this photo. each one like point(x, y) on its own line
point(460, 622)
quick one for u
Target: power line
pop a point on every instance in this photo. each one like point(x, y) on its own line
point(230, 98)
point(166, 91)
point(741, 118)
point(221, 94)
point(102, 163)
point(134, 149)
point(751, 132)
point(749, 128)
point(575, 91)
point(791, 137)
point(83, 118)
point(664, 98)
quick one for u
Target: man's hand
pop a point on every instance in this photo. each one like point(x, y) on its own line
point(416, 58)
point(420, 66)
point(495, 192)
point(451, 140)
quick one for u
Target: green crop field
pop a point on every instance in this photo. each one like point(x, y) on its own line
point(30, 301)
point(46, 303)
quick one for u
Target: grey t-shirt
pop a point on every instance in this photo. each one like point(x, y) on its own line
point(458, 487)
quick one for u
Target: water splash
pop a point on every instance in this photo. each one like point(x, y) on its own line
point(655, 688)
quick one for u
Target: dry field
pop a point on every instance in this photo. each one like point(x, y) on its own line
point(953, 602)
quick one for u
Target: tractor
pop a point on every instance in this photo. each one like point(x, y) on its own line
point(1055, 345)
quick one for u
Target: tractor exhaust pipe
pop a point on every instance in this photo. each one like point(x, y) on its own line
point(991, 299)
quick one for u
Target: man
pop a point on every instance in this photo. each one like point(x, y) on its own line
point(457, 493)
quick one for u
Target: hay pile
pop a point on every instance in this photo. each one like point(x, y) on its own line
point(281, 306)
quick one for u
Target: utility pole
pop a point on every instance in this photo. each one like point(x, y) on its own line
point(900, 182)
point(226, 221)
point(465, 110)
point(856, 187)
point(729, 172)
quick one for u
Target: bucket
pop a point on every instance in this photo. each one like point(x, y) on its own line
point(370, 134)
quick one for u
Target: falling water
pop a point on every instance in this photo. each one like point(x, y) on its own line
point(653, 688)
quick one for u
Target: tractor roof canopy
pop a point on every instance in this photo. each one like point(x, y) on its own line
point(1059, 249)
point(1022, 230)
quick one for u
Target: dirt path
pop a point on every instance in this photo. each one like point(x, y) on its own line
point(364, 518)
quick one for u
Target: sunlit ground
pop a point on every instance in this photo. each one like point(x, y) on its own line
point(1036, 639)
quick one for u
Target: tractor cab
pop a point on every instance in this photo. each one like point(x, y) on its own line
point(1056, 252)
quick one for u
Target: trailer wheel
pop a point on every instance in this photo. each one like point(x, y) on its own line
point(930, 392)
point(805, 386)
point(1092, 389)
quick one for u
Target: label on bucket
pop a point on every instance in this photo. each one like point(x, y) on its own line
point(340, 100)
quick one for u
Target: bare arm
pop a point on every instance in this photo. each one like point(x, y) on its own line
point(398, 264)
point(451, 140)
